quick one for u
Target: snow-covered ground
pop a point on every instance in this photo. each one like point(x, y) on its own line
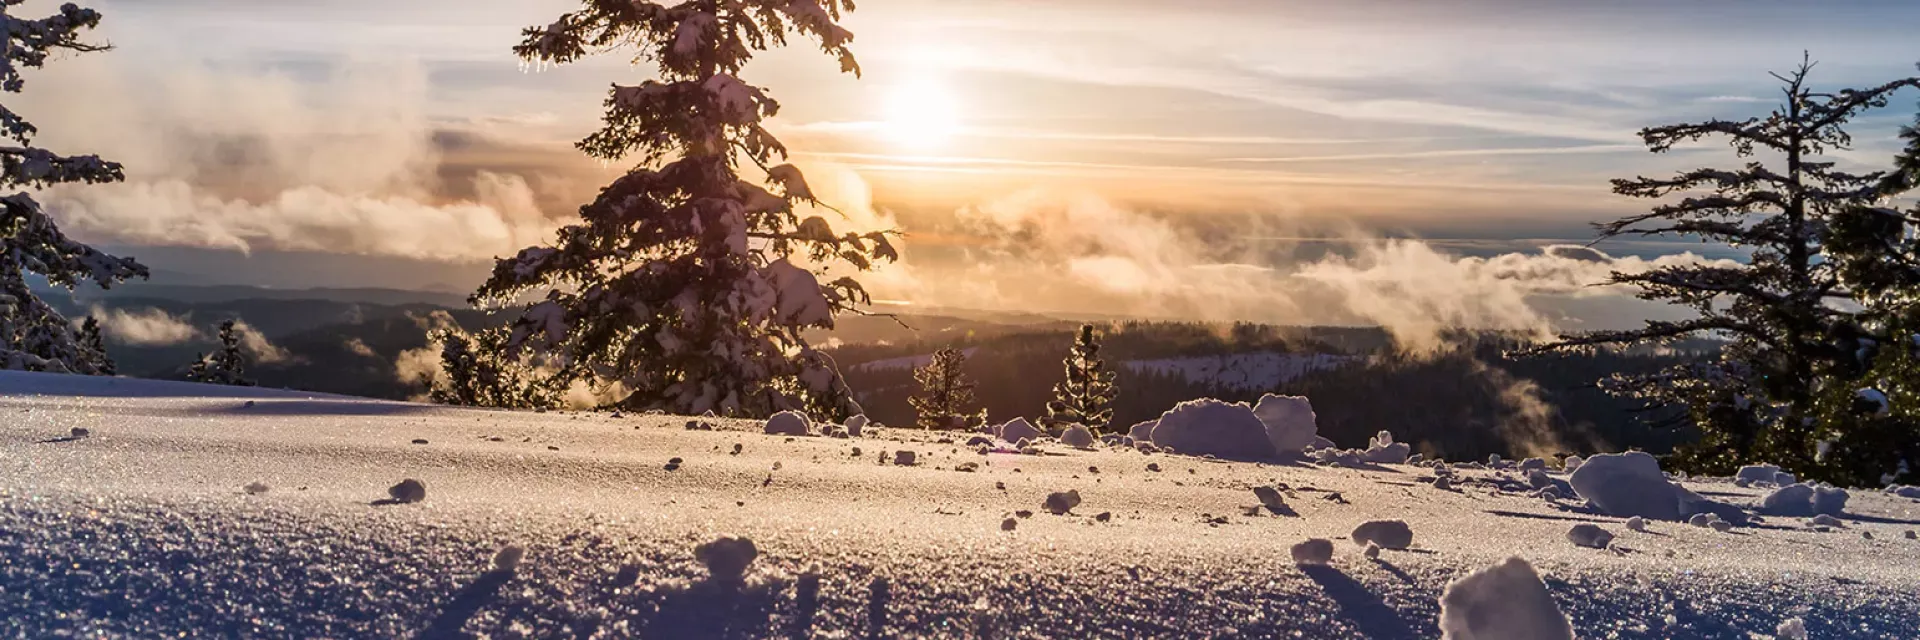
point(145, 527)
point(1243, 371)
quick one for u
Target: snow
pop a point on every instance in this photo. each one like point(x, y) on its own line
point(144, 529)
point(1060, 502)
point(1905, 491)
point(1791, 629)
point(1077, 436)
point(408, 490)
point(1637, 523)
point(856, 425)
point(1244, 372)
point(1389, 534)
point(1313, 551)
point(1631, 484)
point(1877, 399)
point(1804, 500)
point(1018, 429)
point(1590, 536)
point(1210, 427)
point(1142, 431)
point(800, 301)
point(1572, 463)
point(727, 557)
point(1289, 421)
point(1764, 473)
point(508, 557)
point(905, 362)
point(1506, 601)
point(789, 423)
point(1381, 449)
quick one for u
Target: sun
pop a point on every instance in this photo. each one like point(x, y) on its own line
point(921, 114)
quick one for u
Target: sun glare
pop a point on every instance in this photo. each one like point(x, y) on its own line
point(921, 114)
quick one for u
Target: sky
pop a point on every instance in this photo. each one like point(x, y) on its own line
point(1118, 157)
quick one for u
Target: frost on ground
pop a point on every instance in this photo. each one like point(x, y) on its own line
point(98, 538)
point(1506, 601)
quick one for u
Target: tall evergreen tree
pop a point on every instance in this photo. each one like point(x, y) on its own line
point(33, 336)
point(680, 282)
point(1086, 395)
point(1786, 342)
point(227, 366)
point(479, 375)
point(945, 392)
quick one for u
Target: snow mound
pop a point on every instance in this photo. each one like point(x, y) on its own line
point(1077, 436)
point(1019, 429)
point(856, 424)
point(1389, 534)
point(1143, 431)
point(1313, 551)
point(1381, 449)
point(1804, 500)
point(1631, 484)
point(1271, 499)
point(1531, 464)
point(1572, 463)
point(1506, 601)
point(1210, 427)
point(1590, 536)
point(509, 557)
point(1289, 421)
point(1905, 491)
point(789, 423)
point(1637, 523)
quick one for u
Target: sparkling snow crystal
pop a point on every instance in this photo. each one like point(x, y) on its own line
point(1506, 601)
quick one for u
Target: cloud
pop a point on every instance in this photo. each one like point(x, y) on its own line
point(150, 327)
point(256, 346)
point(245, 159)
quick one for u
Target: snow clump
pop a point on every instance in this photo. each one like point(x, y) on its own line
point(1019, 429)
point(1572, 463)
point(1905, 491)
point(1289, 421)
point(1590, 536)
point(1637, 523)
point(1803, 500)
point(408, 491)
point(1631, 484)
point(1270, 498)
point(1502, 602)
point(1142, 431)
point(508, 558)
point(856, 424)
point(1389, 534)
point(1059, 503)
point(1077, 436)
point(256, 488)
point(1767, 473)
point(1210, 427)
point(727, 557)
point(1791, 629)
point(1313, 551)
point(789, 423)
point(1381, 449)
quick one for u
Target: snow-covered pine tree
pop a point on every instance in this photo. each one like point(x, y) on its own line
point(227, 366)
point(1086, 395)
point(1785, 342)
point(481, 372)
point(679, 286)
point(33, 336)
point(945, 393)
point(93, 347)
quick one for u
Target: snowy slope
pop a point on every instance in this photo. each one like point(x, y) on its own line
point(1243, 371)
point(143, 529)
point(905, 362)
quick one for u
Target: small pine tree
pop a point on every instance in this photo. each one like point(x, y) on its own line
point(685, 285)
point(1086, 396)
point(33, 336)
point(227, 366)
point(477, 375)
point(946, 391)
point(93, 348)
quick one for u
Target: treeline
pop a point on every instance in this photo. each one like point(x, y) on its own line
point(1464, 403)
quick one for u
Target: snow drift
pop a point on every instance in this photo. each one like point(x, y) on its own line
point(1631, 484)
